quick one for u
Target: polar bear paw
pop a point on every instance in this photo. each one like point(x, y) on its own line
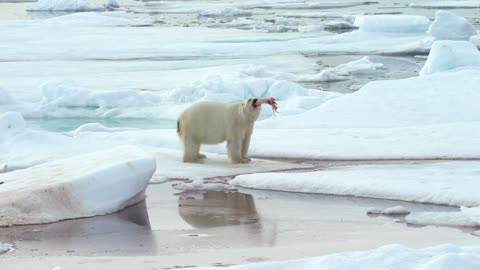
point(201, 156)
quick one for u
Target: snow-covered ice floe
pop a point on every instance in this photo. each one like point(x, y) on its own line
point(467, 217)
point(449, 55)
point(80, 186)
point(450, 26)
point(389, 23)
point(95, 19)
point(64, 5)
point(394, 257)
point(449, 183)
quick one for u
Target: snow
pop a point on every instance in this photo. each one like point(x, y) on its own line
point(447, 183)
point(94, 127)
point(11, 121)
point(362, 66)
point(446, 4)
point(467, 217)
point(63, 5)
point(5, 97)
point(396, 103)
point(392, 23)
point(449, 55)
point(396, 210)
point(392, 257)
point(80, 186)
point(450, 26)
point(226, 12)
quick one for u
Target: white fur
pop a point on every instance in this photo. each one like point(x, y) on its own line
point(210, 122)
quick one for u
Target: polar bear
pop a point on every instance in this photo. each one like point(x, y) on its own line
point(209, 122)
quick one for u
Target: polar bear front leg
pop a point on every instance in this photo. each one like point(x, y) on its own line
point(245, 146)
point(234, 148)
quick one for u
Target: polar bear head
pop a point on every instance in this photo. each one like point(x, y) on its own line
point(251, 109)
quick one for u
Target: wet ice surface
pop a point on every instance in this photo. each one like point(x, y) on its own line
point(235, 225)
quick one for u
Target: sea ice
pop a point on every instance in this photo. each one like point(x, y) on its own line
point(4, 248)
point(63, 5)
point(447, 55)
point(5, 98)
point(94, 19)
point(446, 4)
point(393, 257)
point(467, 217)
point(392, 23)
point(439, 183)
point(450, 26)
point(80, 186)
point(11, 121)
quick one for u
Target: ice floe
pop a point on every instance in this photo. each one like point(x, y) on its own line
point(11, 121)
point(392, 23)
point(94, 19)
point(64, 5)
point(80, 186)
point(448, 183)
point(446, 4)
point(449, 55)
point(397, 257)
point(466, 217)
point(396, 103)
point(450, 26)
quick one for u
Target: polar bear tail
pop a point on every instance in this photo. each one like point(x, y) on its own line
point(178, 127)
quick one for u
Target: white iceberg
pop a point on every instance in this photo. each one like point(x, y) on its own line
point(449, 183)
point(81, 186)
point(444, 257)
point(392, 23)
point(450, 26)
point(447, 55)
point(63, 5)
point(467, 217)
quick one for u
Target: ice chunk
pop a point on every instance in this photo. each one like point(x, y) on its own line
point(392, 23)
point(4, 248)
point(63, 5)
point(94, 127)
point(11, 121)
point(450, 26)
point(467, 217)
point(81, 186)
point(448, 55)
point(397, 210)
point(225, 12)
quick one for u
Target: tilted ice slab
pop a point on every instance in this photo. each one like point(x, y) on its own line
point(468, 217)
point(448, 183)
point(447, 55)
point(392, 23)
point(425, 100)
point(81, 186)
point(393, 257)
point(446, 4)
point(450, 26)
point(63, 5)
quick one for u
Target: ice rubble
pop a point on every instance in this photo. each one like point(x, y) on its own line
point(448, 183)
point(467, 217)
point(392, 257)
point(389, 23)
point(63, 5)
point(396, 210)
point(446, 4)
point(80, 186)
point(449, 55)
point(363, 66)
point(450, 26)
point(94, 19)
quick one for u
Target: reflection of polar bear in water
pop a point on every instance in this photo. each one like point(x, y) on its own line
point(210, 122)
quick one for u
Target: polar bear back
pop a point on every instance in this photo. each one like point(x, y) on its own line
point(205, 121)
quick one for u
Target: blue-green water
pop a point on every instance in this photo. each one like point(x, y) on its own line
point(68, 124)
